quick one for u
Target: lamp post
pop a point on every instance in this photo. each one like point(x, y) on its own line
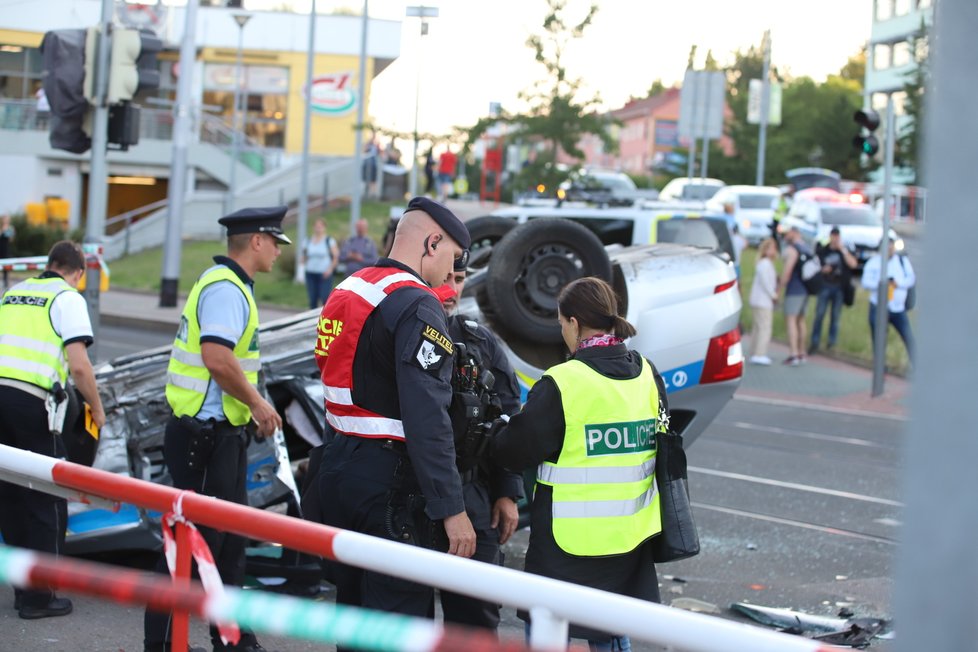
point(422, 12)
point(241, 20)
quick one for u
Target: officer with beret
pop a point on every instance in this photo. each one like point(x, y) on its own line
point(491, 491)
point(212, 388)
point(385, 358)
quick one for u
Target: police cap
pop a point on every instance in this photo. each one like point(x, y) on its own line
point(445, 218)
point(257, 220)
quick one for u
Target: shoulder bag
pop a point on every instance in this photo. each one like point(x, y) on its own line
point(678, 539)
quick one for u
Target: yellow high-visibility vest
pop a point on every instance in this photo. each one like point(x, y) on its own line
point(605, 500)
point(30, 349)
point(187, 378)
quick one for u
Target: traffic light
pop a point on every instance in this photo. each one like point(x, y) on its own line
point(132, 66)
point(63, 78)
point(867, 144)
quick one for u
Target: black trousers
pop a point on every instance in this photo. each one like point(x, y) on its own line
point(30, 519)
point(222, 477)
point(462, 609)
point(355, 481)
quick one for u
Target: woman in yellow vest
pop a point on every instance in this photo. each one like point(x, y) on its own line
point(588, 427)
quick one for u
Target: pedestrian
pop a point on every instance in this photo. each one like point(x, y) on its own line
point(7, 233)
point(489, 490)
point(212, 388)
point(447, 164)
point(780, 206)
point(763, 298)
point(386, 364)
point(837, 265)
point(795, 296)
point(901, 278)
point(429, 172)
point(44, 333)
point(371, 163)
point(588, 428)
point(359, 250)
point(320, 256)
point(43, 108)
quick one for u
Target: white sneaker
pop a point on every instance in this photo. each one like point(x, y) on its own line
point(760, 359)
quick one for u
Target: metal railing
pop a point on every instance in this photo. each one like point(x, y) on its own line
point(552, 603)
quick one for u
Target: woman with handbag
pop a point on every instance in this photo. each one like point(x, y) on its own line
point(589, 428)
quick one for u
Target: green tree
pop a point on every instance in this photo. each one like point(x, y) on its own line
point(656, 88)
point(908, 140)
point(855, 68)
point(557, 117)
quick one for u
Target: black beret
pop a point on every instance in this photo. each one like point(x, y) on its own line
point(445, 218)
point(257, 220)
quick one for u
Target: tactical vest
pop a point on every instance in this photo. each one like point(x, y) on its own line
point(187, 378)
point(605, 500)
point(337, 334)
point(30, 349)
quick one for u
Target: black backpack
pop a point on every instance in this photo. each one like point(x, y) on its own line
point(911, 292)
point(810, 271)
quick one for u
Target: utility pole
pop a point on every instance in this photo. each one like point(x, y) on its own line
point(358, 137)
point(882, 290)
point(765, 109)
point(302, 223)
point(98, 188)
point(176, 195)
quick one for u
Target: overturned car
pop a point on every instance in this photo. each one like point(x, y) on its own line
point(683, 300)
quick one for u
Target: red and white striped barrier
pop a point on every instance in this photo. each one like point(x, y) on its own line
point(604, 611)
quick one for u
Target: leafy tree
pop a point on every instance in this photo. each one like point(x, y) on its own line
point(908, 140)
point(656, 88)
point(855, 68)
point(556, 118)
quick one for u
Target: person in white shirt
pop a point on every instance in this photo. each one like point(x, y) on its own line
point(901, 277)
point(763, 297)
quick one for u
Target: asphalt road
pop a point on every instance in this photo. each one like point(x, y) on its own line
point(796, 508)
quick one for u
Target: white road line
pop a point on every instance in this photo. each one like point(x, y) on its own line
point(822, 408)
point(793, 523)
point(855, 441)
point(799, 487)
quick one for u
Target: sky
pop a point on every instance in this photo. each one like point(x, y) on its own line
point(475, 51)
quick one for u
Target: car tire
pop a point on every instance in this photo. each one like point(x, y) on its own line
point(486, 231)
point(529, 268)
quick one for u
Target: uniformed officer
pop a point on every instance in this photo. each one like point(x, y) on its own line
point(44, 333)
point(212, 388)
point(386, 362)
point(490, 491)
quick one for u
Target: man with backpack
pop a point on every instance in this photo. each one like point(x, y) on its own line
point(900, 292)
point(837, 265)
point(797, 285)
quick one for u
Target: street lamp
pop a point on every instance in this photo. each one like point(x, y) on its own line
point(422, 12)
point(241, 20)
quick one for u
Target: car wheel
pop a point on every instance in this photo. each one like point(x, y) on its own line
point(529, 268)
point(486, 232)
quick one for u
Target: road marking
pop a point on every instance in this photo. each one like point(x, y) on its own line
point(807, 434)
point(764, 400)
point(794, 485)
point(794, 523)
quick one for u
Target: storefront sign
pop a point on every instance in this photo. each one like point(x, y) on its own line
point(333, 94)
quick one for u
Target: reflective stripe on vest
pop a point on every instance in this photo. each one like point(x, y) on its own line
point(605, 500)
point(31, 350)
point(337, 334)
point(187, 378)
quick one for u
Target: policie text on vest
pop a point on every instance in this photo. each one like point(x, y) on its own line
point(620, 438)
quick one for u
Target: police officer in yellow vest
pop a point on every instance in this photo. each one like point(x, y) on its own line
point(588, 426)
point(212, 389)
point(44, 333)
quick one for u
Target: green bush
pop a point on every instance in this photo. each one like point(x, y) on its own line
point(37, 240)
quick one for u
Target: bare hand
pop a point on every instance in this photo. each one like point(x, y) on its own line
point(98, 416)
point(461, 536)
point(506, 517)
point(266, 417)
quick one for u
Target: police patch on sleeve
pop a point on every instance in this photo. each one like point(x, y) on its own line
point(428, 356)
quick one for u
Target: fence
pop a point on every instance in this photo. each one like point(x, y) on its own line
point(564, 602)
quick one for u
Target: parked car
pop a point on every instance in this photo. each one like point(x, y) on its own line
point(602, 188)
point(753, 209)
point(816, 211)
point(682, 298)
point(686, 189)
point(802, 178)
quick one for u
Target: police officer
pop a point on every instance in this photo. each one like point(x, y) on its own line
point(44, 333)
point(490, 491)
point(212, 388)
point(386, 362)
